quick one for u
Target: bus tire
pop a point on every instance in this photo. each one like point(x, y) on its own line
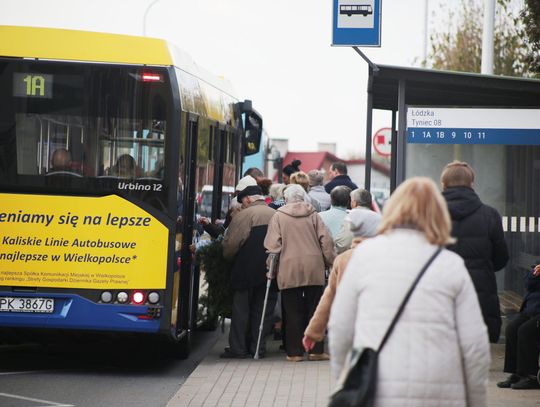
point(183, 347)
point(177, 348)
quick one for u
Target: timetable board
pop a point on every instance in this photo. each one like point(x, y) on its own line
point(426, 125)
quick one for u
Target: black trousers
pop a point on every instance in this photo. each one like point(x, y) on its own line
point(246, 319)
point(522, 345)
point(299, 304)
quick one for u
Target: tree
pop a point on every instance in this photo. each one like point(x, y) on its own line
point(531, 21)
point(460, 48)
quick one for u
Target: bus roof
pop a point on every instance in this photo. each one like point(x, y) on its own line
point(88, 46)
point(73, 45)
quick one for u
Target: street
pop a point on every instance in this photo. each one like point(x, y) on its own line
point(119, 374)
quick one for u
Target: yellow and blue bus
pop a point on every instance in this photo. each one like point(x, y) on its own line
point(106, 142)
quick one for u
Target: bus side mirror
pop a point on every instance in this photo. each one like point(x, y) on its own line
point(253, 133)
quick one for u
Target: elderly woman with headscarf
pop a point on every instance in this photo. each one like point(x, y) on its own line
point(438, 353)
point(363, 224)
point(305, 249)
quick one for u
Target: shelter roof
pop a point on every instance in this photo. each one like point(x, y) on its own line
point(427, 87)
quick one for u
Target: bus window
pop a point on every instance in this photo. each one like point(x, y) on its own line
point(49, 144)
point(133, 150)
point(92, 115)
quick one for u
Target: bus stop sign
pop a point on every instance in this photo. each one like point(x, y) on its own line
point(356, 23)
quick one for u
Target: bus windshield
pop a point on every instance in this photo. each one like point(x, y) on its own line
point(68, 121)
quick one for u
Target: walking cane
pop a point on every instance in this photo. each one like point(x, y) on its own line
point(272, 262)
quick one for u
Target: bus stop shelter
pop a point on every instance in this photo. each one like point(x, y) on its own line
point(507, 174)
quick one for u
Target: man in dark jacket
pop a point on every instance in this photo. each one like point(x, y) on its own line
point(244, 242)
point(338, 174)
point(480, 239)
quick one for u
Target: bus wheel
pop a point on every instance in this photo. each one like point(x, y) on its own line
point(178, 348)
point(183, 347)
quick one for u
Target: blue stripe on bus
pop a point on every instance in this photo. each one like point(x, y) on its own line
point(424, 135)
point(75, 312)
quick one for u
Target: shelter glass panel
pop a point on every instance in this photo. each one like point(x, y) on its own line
point(506, 178)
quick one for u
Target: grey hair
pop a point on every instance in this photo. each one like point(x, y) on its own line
point(276, 191)
point(294, 193)
point(362, 197)
point(316, 177)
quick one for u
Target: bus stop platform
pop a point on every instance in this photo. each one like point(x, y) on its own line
point(273, 381)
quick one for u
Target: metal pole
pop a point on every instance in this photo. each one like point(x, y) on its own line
point(394, 146)
point(487, 37)
point(369, 130)
point(426, 19)
point(146, 14)
point(365, 58)
point(401, 138)
point(279, 161)
point(272, 259)
point(261, 326)
point(369, 125)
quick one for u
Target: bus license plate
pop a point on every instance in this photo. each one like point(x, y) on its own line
point(18, 304)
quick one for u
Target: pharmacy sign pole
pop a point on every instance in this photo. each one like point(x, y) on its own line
point(357, 23)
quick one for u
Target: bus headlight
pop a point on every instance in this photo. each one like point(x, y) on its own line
point(153, 297)
point(122, 297)
point(106, 296)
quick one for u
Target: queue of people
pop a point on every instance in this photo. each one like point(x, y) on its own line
point(452, 314)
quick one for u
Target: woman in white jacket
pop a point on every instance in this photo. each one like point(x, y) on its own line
point(438, 353)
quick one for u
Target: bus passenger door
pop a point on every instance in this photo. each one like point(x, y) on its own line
point(185, 320)
point(219, 149)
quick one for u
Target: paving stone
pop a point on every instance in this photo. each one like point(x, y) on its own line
point(274, 382)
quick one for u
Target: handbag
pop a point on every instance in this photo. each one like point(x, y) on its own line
point(360, 381)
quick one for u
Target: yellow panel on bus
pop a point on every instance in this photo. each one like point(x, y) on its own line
point(52, 43)
point(80, 242)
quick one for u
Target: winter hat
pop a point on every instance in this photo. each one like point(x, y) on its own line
point(363, 222)
point(245, 182)
point(249, 191)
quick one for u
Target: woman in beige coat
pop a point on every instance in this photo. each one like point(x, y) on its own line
point(306, 248)
point(363, 223)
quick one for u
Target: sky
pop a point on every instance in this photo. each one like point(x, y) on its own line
point(277, 53)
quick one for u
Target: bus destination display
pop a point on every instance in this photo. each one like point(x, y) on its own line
point(33, 85)
point(473, 126)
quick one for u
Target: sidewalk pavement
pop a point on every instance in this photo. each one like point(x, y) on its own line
point(273, 381)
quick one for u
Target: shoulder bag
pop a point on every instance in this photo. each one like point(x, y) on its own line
point(360, 384)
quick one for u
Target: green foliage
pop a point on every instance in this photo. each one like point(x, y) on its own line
point(531, 30)
point(447, 48)
point(216, 271)
point(460, 48)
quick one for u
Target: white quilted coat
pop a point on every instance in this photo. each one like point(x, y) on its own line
point(438, 354)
